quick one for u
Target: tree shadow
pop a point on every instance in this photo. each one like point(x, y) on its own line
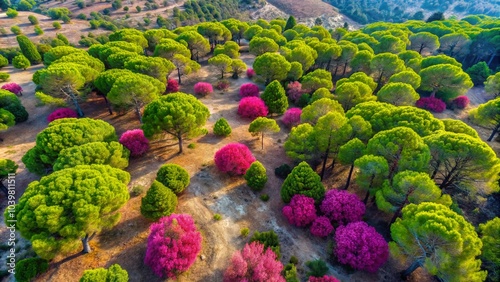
point(122, 233)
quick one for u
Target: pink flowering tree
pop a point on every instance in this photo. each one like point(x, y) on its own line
point(321, 227)
point(249, 90)
point(360, 246)
point(300, 211)
point(173, 244)
point(13, 87)
point(135, 141)
point(325, 278)
point(234, 158)
point(342, 206)
point(431, 104)
point(461, 102)
point(291, 117)
point(250, 73)
point(252, 108)
point(254, 263)
point(294, 90)
point(62, 113)
point(203, 88)
point(172, 86)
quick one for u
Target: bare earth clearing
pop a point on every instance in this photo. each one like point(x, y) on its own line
point(210, 192)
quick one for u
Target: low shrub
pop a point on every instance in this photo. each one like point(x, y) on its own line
point(318, 268)
point(256, 176)
point(222, 127)
point(249, 90)
point(135, 141)
point(16, 30)
point(252, 107)
point(294, 91)
point(300, 211)
point(38, 30)
point(291, 117)
point(321, 227)
point(431, 104)
point(222, 85)
point(244, 232)
point(234, 158)
point(269, 239)
point(4, 76)
point(13, 87)
point(217, 217)
point(342, 206)
point(250, 73)
point(56, 25)
point(283, 171)
point(27, 269)
point(203, 88)
point(172, 86)
point(461, 102)
point(62, 113)
point(264, 197)
point(174, 177)
point(158, 202)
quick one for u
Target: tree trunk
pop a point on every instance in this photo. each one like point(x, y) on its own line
point(86, 246)
point(77, 106)
point(179, 74)
point(436, 170)
point(433, 94)
point(421, 48)
point(138, 111)
point(366, 197)
point(491, 58)
point(107, 104)
point(396, 214)
point(416, 264)
point(180, 144)
point(262, 141)
point(345, 68)
point(495, 130)
point(349, 177)
point(222, 75)
point(325, 159)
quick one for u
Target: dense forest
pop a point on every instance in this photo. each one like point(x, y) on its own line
point(353, 155)
point(368, 11)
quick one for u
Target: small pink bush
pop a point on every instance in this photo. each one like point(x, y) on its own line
point(291, 117)
point(360, 246)
point(461, 102)
point(172, 86)
point(294, 90)
point(252, 107)
point(135, 141)
point(431, 104)
point(13, 87)
point(222, 85)
point(250, 73)
point(325, 278)
point(203, 88)
point(254, 263)
point(62, 113)
point(249, 90)
point(342, 207)
point(321, 227)
point(234, 158)
point(300, 211)
point(173, 244)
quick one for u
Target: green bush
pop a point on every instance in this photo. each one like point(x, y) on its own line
point(33, 20)
point(158, 202)
point(192, 146)
point(4, 76)
point(16, 30)
point(282, 171)
point(137, 190)
point(27, 269)
point(11, 13)
point(115, 273)
point(264, 197)
point(58, 13)
point(94, 24)
point(3, 62)
point(244, 232)
point(269, 239)
point(38, 30)
point(21, 62)
point(479, 73)
point(10, 102)
point(294, 260)
point(56, 25)
point(217, 217)
point(29, 49)
point(24, 5)
point(174, 177)
point(81, 16)
point(256, 176)
point(318, 268)
point(302, 180)
point(290, 273)
point(222, 127)
point(66, 19)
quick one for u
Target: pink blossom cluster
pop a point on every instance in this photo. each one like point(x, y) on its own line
point(254, 263)
point(252, 107)
point(250, 73)
point(172, 86)
point(62, 113)
point(300, 211)
point(173, 244)
point(321, 227)
point(135, 141)
point(431, 104)
point(461, 102)
point(13, 87)
point(360, 246)
point(249, 90)
point(203, 88)
point(342, 206)
point(294, 90)
point(234, 158)
point(291, 117)
point(325, 278)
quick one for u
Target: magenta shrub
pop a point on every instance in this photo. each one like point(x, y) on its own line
point(13, 87)
point(135, 141)
point(461, 102)
point(342, 206)
point(325, 278)
point(173, 244)
point(252, 107)
point(222, 85)
point(360, 246)
point(234, 158)
point(294, 90)
point(249, 90)
point(321, 226)
point(203, 88)
point(300, 211)
point(291, 117)
point(254, 264)
point(431, 104)
point(172, 86)
point(250, 73)
point(62, 113)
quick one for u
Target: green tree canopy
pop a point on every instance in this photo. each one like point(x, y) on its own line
point(373, 170)
point(490, 236)
point(317, 79)
point(271, 66)
point(178, 114)
point(112, 154)
point(319, 108)
point(421, 121)
point(167, 48)
point(184, 65)
point(488, 114)
point(256, 176)
point(159, 201)
point(301, 144)
point(29, 49)
point(408, 76)
point(261, 45)
point(492, 85)
point(302, 180)
point(424, 42)
point(398, 94)
point(349, 94)
point(222, 63)
point(384, 65)
point(155, 67)
point(114, 273)
point(263, 125)
point(275, 98)
point(196, 43)
point(445, 81)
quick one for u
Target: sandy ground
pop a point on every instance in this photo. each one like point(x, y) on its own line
point(210, 192)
